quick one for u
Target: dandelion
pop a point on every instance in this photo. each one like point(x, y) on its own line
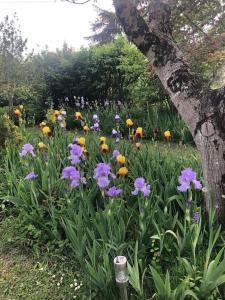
point(141, 186)
point(116, 153)
point(17, 113)
point(139, 132)
point(46, 130)
point(121, 159)
point(122, 172)
point(27, 149)
point(41, 146)
point(187, 179)
point(78, 116)
point(129, 122)
point(167, 135)
point(30, 176)
point(113, 192)
point(104, 148)
point(81, 141)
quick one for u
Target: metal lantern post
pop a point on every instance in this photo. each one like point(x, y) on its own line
point(120, 266)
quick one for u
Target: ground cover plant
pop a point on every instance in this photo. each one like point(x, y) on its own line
point(95, 197)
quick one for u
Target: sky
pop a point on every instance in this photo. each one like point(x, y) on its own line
point(53, 22)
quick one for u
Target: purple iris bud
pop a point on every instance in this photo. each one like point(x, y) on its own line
point(95, 118)
point(63, 113)
point(196, 217)
point(27, 149)
point(188, 178)
point(114, 133)
point(113, 192)
point(141, 186)
point(70, 173)
point(30, 176)
point(188, 204)
point(117, 118)
point(116, 153)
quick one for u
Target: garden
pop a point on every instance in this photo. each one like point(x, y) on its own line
point(104, 193)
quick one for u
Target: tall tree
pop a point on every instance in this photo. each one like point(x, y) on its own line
point(202, 109)
point(12, 47)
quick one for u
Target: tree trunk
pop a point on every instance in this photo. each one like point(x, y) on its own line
point(202, 110)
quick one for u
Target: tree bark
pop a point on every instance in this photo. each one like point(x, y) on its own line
point(202, 110)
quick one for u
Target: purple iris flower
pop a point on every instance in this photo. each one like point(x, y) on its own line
point(27, 149)
point(102, 170)
point(95, 118)
point(196, 217)
point(116, 153)
point(141, 186)
point(113, 192)
point(114, 133)
point(117, 118)
point(76, 152)
point(70, 173)
point(63, 113)
point(30, 176)
point(101, 174)
point(103, 182)
point(186, 179)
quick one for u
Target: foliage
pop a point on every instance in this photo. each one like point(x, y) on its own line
point(149, 231)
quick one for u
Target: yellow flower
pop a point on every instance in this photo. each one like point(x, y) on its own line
point(56, 113)
point(129, 122)
point(167, 134)
point(21, 107)
point(138, 146)
point(85, 152)
point(41, 146)
point(17, 113)
point(78, 116)
point(81, 141)
point(46, 130)
point(104, 148)
point(86, 128)
point(102, 140)
point(122, 172)
point(42, 124)
point(121, 159)
point(139, 132)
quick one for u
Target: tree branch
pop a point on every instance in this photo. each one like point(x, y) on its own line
point(76, 2)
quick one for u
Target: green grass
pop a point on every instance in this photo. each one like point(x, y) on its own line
point(26, 276)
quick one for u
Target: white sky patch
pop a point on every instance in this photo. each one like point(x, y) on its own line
point(52, 22)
